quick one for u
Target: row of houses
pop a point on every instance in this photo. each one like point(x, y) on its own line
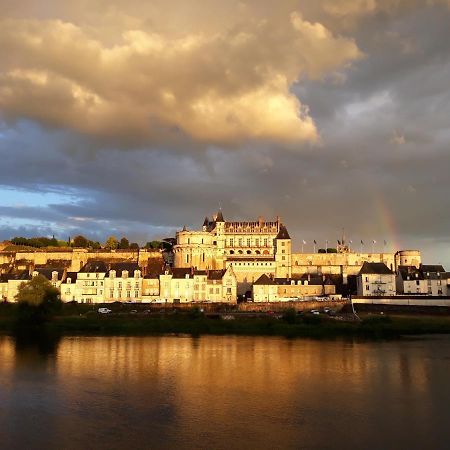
point(376, 279)
point(103, 282)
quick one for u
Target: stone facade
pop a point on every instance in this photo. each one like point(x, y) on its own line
point(267, 289)
point(375, 279)
point(261, 247)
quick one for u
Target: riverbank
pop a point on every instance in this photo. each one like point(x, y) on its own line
point(195, 323)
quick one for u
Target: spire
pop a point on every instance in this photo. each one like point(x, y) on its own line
point(206, 222)
point(283, 233)
point(219, 217)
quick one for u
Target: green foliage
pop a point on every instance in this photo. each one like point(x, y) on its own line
point(37, 301)
point(80, 242)
point(327, 250)
point(134, 246)
point(124, 244)
point(290, 315)
point(36, 242)
point(153, 245)
point(111, 243)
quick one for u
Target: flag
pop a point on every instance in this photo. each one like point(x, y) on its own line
point(374, 241)
point(362, 243)
point(315, 241)
point(304, 242)
point(339, 242)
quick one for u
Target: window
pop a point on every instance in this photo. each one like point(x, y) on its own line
point(257, 242)
point(367, 287)
point(265, 242)
point(367, 279)
point(249, 242)
point(128, 294)
point(240, 242)
point(217, 290)
point(187, 258)
point(231, 242)
point(136, 293)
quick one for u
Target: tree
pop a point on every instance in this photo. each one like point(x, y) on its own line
point(80, 241)
point(134, 246)
point(154, 244)
point(124, 243)
point(38, 300)
point(111, 243)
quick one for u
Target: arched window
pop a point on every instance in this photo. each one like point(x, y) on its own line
point(231, 252)
point(249, 252)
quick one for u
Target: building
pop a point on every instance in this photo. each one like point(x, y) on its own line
point(185, 285)
point(437, 279)
point(375, 279)
point(10, 282)
point(255, 248)
point(250, 248)
point(268, 289)
point(409, 280)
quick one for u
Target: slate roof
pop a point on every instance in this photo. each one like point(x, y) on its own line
point(283, 233)
point(23, 275)
point(219, 217)
point(47, 272)
point(94, 267)
point(432, 268)
point(264, 280)
point(410, 271)
point(128, 266)
point(374, 268)
point(72, 276)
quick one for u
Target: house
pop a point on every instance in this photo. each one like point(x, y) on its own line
point(436, 279)
point(183, 285)
point(268, 289)
point(375, 279)
point(409, 280)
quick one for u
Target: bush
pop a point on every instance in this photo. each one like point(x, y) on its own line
point(290, 315)
point(37, 301)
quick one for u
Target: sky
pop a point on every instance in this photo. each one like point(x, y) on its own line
point(134, 118)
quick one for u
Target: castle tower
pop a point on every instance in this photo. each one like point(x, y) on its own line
point(220, 240)
point(283, 253)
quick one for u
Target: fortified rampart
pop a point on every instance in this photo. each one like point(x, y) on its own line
point(73, 260)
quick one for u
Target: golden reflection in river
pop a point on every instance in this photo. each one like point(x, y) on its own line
point(7, 355)
point(176, 391)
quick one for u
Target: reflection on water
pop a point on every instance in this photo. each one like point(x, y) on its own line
point(223, 392)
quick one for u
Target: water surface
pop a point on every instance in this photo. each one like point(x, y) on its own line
point(224, 393)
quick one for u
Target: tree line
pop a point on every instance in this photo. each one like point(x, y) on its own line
point(80, 241)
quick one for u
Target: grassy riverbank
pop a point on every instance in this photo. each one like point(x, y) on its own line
point(196, 323)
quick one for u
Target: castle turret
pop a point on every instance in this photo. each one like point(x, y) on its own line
point(283, 253)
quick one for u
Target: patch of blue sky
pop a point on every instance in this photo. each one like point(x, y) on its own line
point(22, 198)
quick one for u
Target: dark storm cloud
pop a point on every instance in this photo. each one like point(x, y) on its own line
point(380, 170)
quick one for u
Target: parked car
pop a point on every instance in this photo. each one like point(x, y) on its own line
point(104, 310)
point(315, 312)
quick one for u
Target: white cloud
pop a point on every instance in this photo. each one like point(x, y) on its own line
point(216, 83)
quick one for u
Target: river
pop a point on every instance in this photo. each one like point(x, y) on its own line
point(224, 393)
